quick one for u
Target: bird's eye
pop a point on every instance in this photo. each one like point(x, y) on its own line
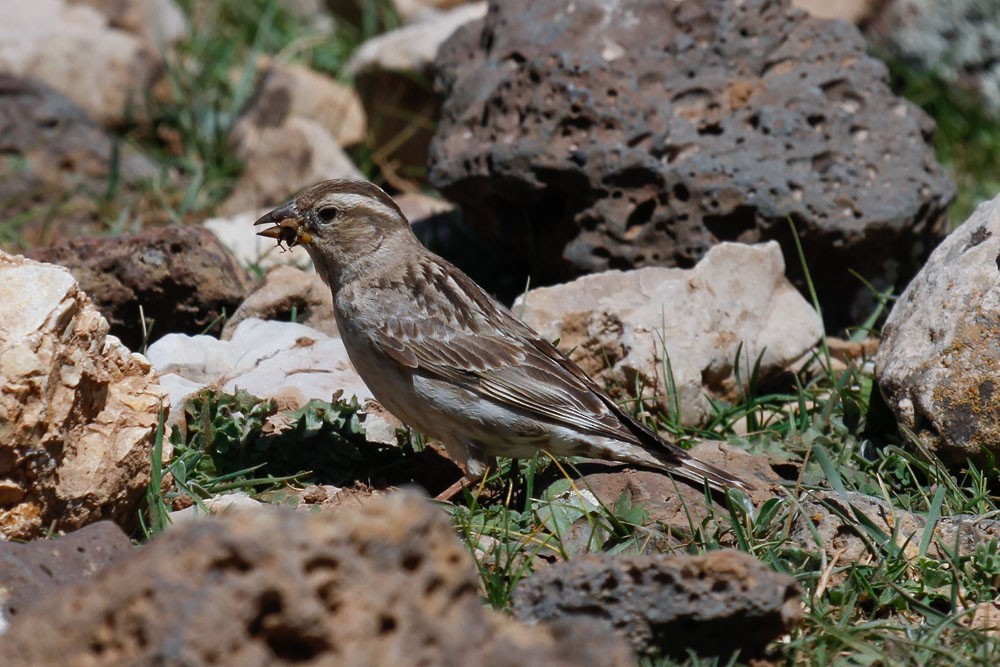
point(327, 214)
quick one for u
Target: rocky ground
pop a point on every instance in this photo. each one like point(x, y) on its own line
point(769, 231)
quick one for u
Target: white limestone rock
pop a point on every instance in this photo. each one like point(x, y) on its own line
point(78, 410)
point(622, 327)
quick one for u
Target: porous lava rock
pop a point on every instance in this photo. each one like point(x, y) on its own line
point(184, 279)
point(385, 582)
point(28, 571)
point(594, 135)
point(718, 603)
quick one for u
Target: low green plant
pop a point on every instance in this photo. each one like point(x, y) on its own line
point(236, 442)
point(322, 440)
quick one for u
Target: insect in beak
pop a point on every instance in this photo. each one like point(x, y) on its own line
point(287, 228)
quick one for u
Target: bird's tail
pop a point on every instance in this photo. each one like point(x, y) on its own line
point(670, 458)
point(699, 472)
point(657, 452)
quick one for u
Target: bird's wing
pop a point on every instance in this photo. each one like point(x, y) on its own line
point(470, 339)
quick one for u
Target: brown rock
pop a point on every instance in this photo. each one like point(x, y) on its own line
point(183, 277)
point(715, 604)
point(841, 526)
point(78, 411)
point(386, 582)
point(74, 50)
point(29, 571)
point(820, 521)
point(286, 91)
point(848, 351)
point(158, 22)
point(291, 134)
point(287, 290)
point(56, 163)
point(644, 133)
point(673, 509)
point(282, 161)
point(983, 617)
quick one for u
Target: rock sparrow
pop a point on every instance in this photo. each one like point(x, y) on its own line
point(445, 357)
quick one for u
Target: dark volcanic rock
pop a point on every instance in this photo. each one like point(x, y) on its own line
point(29, 570)
point(382, 583)
point(714, 604)
point(598, 135)
point(183, 278)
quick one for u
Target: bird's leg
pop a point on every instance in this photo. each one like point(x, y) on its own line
point(474, 474)
point(460, 485)
point(468, 455)
point(515, 484)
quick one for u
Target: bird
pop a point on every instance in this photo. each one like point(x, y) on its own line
point(449, 360)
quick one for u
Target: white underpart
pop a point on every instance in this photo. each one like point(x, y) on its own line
point(490, 428)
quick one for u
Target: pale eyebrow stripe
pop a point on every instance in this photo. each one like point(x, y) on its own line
point(351, 200)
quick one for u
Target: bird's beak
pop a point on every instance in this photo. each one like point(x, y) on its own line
point(287, 226)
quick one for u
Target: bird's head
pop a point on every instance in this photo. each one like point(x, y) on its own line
point(346, 226)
